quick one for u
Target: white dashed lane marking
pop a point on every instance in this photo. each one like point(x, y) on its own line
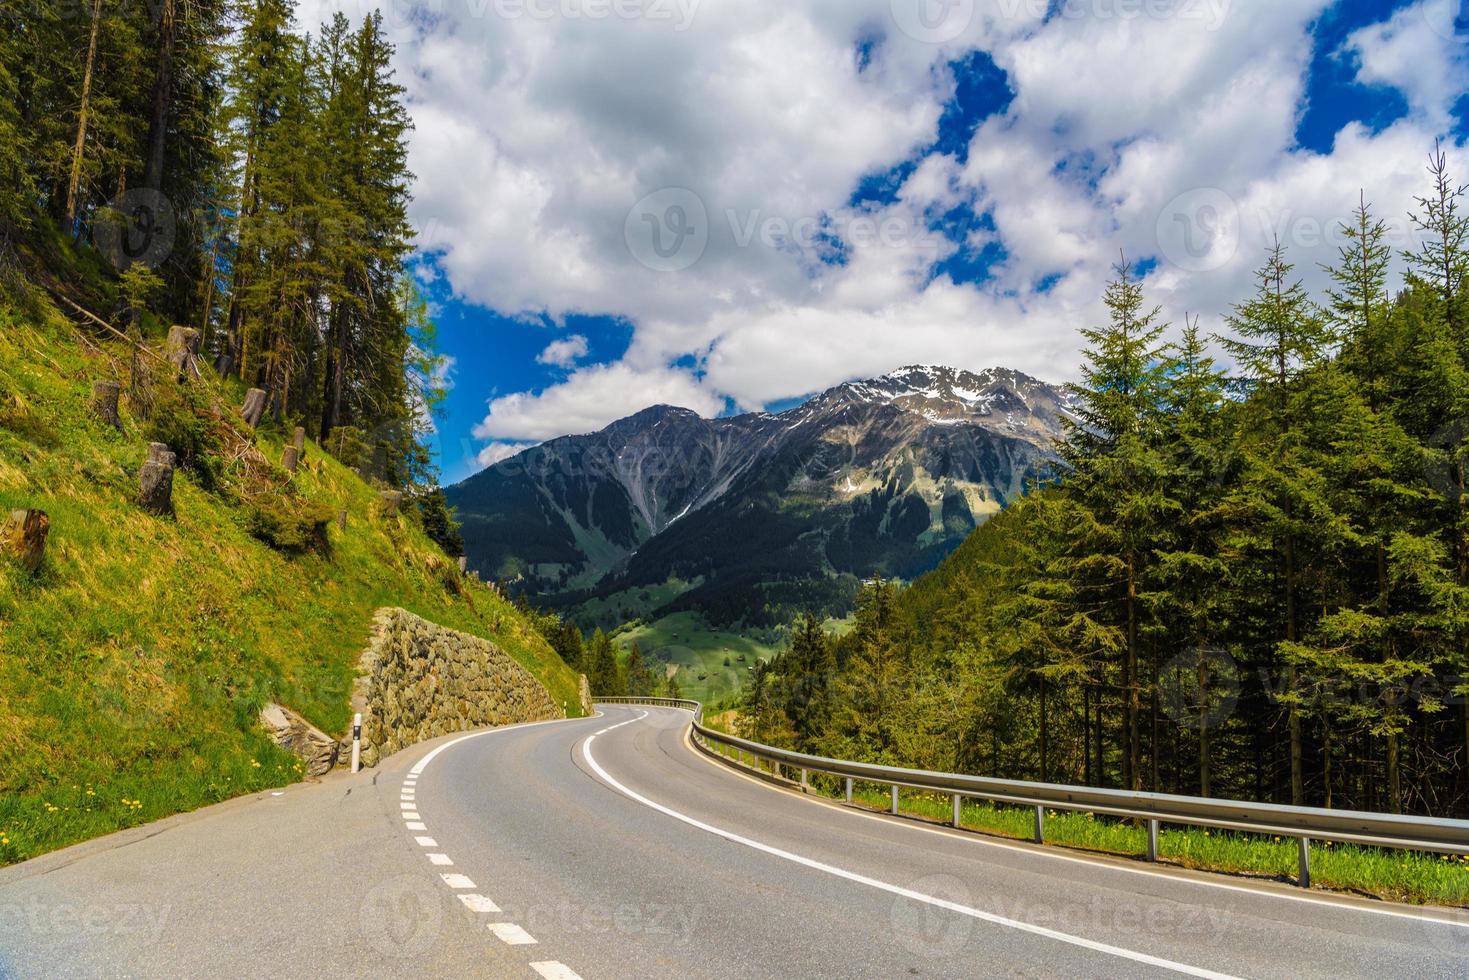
point(478, 903)
point(511, 934)
point(507, 932)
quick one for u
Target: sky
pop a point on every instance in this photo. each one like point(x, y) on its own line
point(729, 204)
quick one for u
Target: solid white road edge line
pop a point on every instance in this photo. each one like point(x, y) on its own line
point(422, 764)
point(1056, 854)
point(908, 893)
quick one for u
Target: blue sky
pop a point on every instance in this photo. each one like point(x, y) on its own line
point(1004, 166)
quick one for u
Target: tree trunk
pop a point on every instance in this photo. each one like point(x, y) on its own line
point(392, 502)
point(1203, 679)
point(162, 96)
point(1297, 765)
point(1045, 734)
point(1133, 776)
point(1086, 735)
point(291, 459)
point(183, 351)
point(23, 537)
point(254, 407)
point(298, 440)
point(74, 185)
point(156, 480)
point(104, 402)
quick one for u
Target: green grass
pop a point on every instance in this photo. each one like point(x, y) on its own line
point(1400, 876)
point(133, 665)
point(687, 647)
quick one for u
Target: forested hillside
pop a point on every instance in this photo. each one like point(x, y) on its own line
point(203, 209)
point(1250, 583)
point(234, 176)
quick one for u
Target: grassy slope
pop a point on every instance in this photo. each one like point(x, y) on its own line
point(133, 665)
point(684, 641)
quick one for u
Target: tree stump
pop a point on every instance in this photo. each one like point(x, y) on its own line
point(254, 407)
point(292, 459)
point(392, 502)
point(342, 520)
point(183, 350)
point(298, 439)
point(104, 402)
point(23, 537)
point(463, 565)
point(223, 365)
point(156, 480)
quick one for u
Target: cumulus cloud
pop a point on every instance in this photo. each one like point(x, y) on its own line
point(498, 452)
point(591, 398)
point(696, 177)
point(565, 352)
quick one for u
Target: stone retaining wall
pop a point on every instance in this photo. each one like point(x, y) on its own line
point(418, 681)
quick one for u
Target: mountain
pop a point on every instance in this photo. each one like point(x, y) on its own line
point(747, 518)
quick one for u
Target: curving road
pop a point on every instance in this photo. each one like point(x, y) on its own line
point(610, 847)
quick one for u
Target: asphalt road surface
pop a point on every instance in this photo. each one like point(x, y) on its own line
point(611, 847)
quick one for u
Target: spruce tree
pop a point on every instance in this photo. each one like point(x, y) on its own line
point(1116, 484)
point(1277, 337)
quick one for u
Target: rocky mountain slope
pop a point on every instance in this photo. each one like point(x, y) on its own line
point(754, 515)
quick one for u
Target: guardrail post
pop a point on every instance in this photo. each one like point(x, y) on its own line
point(1152, 840)
point(1040, 825)
point(849, 789)
point(1303, 859)
point(895, 797)
point(804, 788)
point(957, 799)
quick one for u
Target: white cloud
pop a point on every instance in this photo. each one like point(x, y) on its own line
point(1412, 53)
point(589, 400)
point(498, 452)
point(536, 139)
point(565, 352)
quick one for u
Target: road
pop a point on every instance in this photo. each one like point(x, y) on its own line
point(610, 847)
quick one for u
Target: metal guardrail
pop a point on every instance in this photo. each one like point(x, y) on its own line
point(1304, 824)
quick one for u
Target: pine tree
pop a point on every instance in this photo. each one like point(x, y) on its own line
point(605, 677)
point(1116, 482)
point(1277, 337)
point(1190, 566)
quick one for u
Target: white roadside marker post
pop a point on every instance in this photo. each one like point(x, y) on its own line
point(357, 742)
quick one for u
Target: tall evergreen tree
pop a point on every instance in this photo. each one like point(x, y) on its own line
point(1116, 481)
